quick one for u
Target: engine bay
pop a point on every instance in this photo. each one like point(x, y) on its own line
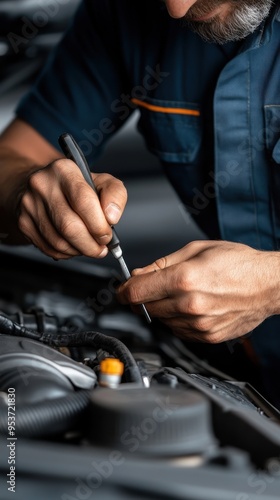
point(95, 403)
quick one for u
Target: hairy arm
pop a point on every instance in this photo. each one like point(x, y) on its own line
point(22, 151)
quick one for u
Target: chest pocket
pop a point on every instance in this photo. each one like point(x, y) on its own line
point(172, 129)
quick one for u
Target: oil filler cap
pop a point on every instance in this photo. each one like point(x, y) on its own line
point(154, 421)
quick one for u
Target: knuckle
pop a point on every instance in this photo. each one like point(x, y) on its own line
point(83, 189)
point(132, 295)
point(181, 278)
point(202, 325)
point(35, 181)
point(84, 201)
point(196, 304)
point(23, 224)
point(69, 228)
point(63, 247)
point(60, 164)
point(57, 255)
point(119, 189)
point(215, 339)
point(99, 230)
point(92, 252)
point(25, 202)
point(195, 245)
point(82, 194)
point(64, 171)
point(161, 263)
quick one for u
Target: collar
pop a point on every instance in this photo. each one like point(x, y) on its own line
point(263, 34)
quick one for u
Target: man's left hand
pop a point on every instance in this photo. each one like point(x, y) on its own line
point(210, 291)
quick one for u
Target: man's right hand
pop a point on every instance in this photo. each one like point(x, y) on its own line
point(53, 205)
point(61, 214)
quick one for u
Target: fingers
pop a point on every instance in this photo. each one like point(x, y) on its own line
point(64, 242)
point(184, 254)
point(144, 288)
point(169, 285)
point(62, 215)
point(207, 291)
point(157, 285)
point(83, 201)
point(28, 227)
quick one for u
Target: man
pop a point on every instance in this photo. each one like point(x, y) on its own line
point(210, 111)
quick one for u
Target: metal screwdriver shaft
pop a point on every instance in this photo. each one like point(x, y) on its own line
point(71, 150)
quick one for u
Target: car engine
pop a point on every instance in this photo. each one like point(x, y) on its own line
point(95, 403)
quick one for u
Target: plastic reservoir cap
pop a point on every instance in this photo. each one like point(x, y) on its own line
point(158, 421)
point(111, 366)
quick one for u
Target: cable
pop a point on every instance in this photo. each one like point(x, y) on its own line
point(98, 341)
point(77, 339)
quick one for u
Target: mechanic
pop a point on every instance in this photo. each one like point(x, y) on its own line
point(205, 77)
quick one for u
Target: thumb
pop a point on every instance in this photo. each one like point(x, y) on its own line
point(112, 196)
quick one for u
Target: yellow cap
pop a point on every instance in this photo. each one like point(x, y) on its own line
point(111, 366)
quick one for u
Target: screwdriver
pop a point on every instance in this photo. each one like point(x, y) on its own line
point(72, 151)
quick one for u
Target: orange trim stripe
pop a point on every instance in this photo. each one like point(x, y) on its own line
point(159, 109)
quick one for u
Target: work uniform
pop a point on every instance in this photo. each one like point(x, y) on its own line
point(211, 113)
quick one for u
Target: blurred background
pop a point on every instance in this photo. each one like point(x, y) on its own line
point(155, 222)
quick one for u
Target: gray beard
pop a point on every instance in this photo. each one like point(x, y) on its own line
point(245, 17)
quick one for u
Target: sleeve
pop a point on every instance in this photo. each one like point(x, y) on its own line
point(81, 84)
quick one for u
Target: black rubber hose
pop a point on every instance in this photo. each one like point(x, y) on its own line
point(99, 341)
point(77, 339)
point(49, 418)
point(9, 327)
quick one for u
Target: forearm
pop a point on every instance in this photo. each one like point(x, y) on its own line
point(14, 173)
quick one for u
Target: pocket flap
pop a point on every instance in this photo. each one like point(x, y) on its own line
point(172, 129)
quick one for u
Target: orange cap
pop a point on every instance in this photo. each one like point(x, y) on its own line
point(111, 366)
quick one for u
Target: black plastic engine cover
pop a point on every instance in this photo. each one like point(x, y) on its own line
point(157, 421)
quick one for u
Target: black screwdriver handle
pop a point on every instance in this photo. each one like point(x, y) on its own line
point(72, 151)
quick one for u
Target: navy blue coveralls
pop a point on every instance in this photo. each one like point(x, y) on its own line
point(210, 113)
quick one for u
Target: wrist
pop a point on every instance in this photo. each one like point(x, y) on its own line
point(271, 266)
